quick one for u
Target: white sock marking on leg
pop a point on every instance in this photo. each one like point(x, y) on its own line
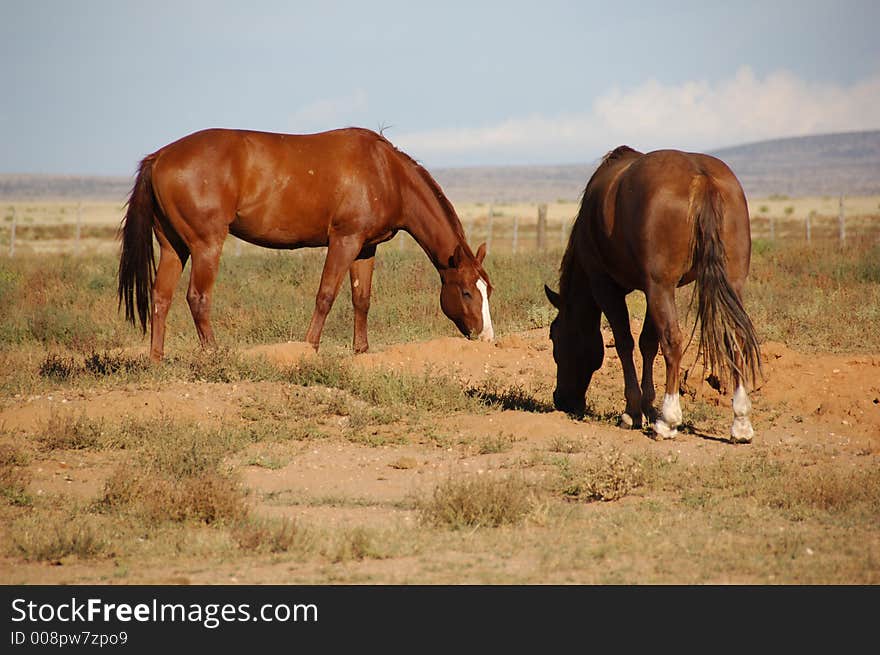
point(741, 430)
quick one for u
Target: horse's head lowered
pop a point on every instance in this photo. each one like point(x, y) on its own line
point(464, 296)
point(571, 354)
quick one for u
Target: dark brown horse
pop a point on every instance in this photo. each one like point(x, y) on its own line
point(655, 222)
point(347, 189)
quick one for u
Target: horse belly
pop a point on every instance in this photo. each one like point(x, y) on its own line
point(280, 232)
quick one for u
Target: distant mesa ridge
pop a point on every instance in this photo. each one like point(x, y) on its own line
point(823, 164)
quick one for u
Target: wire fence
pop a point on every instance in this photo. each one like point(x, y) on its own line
point(77, 228)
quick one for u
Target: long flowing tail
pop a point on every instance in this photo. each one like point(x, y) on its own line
point(728, 342)
point(137, 266)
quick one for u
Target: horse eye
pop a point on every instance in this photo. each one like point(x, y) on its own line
point(466, 293)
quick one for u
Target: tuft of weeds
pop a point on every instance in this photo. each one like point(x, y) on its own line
point(383, 388)
point(262, 535)
point(611, 478)
point(14, 478)
point(176, 475)
point(496, 443)
point(61, 368)
point(357, 543)
point(66, 432)
point(478, 501)
point(33, 540)
point(568, 445)
point(209, 497)
point(102, 364)
point(58, 368)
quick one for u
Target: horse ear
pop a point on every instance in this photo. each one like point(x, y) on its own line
point(457, 256)
point(481, 253)
point(553, 297)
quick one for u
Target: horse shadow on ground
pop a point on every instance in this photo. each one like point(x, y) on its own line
point(520, 399)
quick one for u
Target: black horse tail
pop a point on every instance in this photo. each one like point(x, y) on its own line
point(728, 342)
point(137, 266)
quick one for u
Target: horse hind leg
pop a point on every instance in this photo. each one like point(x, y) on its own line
point(205, 265)
point(649, 346)
point(361, 275)
point(172, 259)
point(661, 307)
point(741, 431)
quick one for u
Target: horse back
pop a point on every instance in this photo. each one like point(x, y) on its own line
point(278, 190)
point(639, 214)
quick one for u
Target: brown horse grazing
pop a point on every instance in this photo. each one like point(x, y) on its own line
point(347, 189)
point(654, 222)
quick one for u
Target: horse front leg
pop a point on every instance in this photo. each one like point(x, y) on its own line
point(361, 274)
point(341, 253)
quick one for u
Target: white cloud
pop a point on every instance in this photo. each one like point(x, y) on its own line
point(329, 113)
point(696, 115)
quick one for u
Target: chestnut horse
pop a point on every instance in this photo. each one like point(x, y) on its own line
point(347, 189)
point(655, 222)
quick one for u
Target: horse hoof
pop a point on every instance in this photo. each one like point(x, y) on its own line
point(627, 422)
point(664, 431)
point(741, 431)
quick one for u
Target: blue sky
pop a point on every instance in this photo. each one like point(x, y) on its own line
point(90, 87)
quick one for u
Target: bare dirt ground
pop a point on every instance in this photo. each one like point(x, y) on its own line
point(811, 408)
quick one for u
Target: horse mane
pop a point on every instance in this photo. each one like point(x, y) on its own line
point(445, 204)
point(569, 266)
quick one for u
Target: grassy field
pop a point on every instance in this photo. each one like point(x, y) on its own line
point(182, 494)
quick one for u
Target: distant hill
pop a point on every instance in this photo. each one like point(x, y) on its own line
point(826, 164)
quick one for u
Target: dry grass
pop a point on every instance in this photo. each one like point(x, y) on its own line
point(176, 476)
point(260, 535)
point(479, 501)
point(67, 432)
point(610, 477)
point(14, 478)
point(35, 539)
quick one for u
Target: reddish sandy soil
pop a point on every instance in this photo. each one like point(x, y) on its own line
point(825, 407)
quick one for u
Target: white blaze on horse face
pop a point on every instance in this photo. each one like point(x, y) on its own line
point(488, 334)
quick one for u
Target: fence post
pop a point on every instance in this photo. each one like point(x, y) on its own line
point(809, 228)
point(542, 227)
point(489, 230)
point(76, 247)
point(12, 235)
point(515, 232)
point(841, 223)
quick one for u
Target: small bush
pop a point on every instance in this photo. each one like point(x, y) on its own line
point(56, 367)
point(478, 501)
point(612, 478)
point(357, 544)
point(209, 497)
point(66, 432)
